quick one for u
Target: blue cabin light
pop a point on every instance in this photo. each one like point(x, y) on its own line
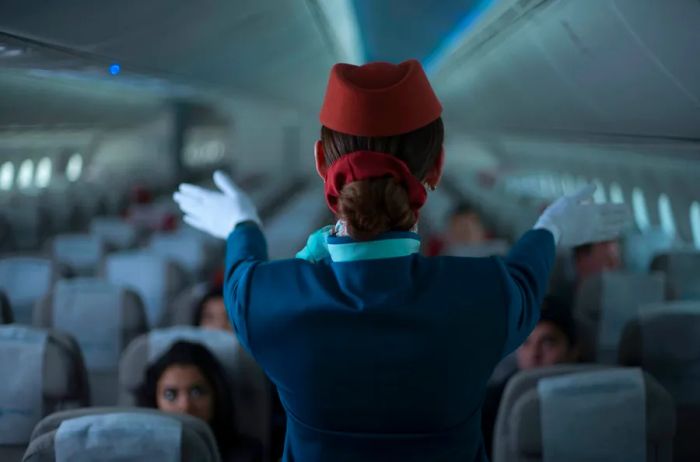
point(115, 69)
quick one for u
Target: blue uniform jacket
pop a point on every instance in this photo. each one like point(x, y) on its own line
point(383, 359)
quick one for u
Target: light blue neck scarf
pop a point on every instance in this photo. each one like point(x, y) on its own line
point(331, 242)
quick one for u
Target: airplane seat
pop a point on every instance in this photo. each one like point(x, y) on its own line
point(251, 393)
point(665, 342)
point(25, 279)
point(42, 372)
point(117, 233)
point(682, 269)
point(584, 412)
point(5, 310)
point(103, 318)
point(118, 434)
point(605, 302)
point(639, 248)
point(188, 251)
point(181, 311)
point(80, 253)
point(156, 279)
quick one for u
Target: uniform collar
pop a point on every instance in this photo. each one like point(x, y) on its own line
point(322, 244)
point(387, 245)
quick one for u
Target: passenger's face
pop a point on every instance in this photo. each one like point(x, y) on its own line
point(183, 389)
point(466, 228)
point(604, 256)
point(546, 346)
point(214, 315)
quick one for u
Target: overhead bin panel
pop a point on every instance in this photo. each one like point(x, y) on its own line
point(621, 67)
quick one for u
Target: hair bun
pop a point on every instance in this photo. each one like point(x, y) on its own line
point(372, 207)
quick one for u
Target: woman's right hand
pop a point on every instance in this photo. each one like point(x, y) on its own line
point(216, 212)
point(576, 220)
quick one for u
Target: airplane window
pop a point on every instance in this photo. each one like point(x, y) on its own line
point(43, 173)
point(616, 196)
point(639, 206)
point(25, 174)
point(668, 224)
point(74, 167)
point(568, 184)
point(7, 176)
point(695, 222)
point(599, 196)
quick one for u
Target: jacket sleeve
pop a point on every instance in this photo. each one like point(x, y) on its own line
point(526, 271)
point(246, 247)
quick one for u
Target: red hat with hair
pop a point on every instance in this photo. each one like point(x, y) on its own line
point(379, 99)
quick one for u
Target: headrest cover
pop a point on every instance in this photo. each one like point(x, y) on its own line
point(119, 437)
point(22, 352)
point(82, 302)
point(597, 415)
point(379, 99)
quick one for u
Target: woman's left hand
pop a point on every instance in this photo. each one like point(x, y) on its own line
point(216, 212)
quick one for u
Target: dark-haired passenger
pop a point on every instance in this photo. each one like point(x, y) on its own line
point(188, 379)
point(210, 312)
point(553, 341)
point(464, 228)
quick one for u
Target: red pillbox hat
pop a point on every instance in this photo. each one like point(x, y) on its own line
point(379, 99)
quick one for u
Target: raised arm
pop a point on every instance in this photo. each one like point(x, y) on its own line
point(228, 214)
point(569, 221)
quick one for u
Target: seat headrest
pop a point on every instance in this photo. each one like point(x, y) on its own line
point(25, 280)
point(664, 341)
point(117, 434)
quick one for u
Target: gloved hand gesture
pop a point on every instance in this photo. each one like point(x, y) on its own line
point(216, 213)
point(576, 220)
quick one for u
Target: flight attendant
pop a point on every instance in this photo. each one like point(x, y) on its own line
point(379, 353)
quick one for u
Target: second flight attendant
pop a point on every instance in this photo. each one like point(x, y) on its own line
point(379, 353)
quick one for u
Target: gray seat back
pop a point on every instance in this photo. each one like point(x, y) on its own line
point(81, 253)
point(103, 318)
point(186, 250)
point(48, 375)
point(115, 232)
point(665, 341)
point(25, 280)
point(181, 311)
point(605, 303)
point(119, 434)
point(251, 395)
point(154, 278)
point(682, 270)
point(521, 437)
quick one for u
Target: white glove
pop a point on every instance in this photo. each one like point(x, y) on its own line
point(576, 220)
point(216, 213)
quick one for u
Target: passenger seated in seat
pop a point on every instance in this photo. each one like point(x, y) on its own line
point(188, 379)
point(552, 342)
point(211, 311)
point(591, 259)
point(464, 227)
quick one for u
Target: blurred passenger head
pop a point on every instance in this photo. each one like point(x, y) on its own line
point(465, 226)
point(188, 379)
point(553, 341)
point(381, 108)
point(211, 311)
point(590, 259)
point(140, 195)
